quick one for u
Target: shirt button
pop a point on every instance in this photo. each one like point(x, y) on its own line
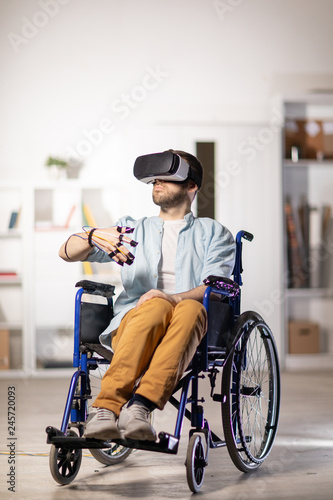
point(155, 276)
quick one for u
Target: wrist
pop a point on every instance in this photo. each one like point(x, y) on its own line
point(90, 235)
point(177, 297)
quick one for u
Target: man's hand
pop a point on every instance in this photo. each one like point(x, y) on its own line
point(195, 294)
point(111, 241)
point(153, 294)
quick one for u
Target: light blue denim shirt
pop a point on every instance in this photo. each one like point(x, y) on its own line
point(204, 248)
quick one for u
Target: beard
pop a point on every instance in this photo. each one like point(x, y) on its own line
point(167, 200)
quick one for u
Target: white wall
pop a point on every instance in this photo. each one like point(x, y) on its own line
point(156, 74)
point(66, 62)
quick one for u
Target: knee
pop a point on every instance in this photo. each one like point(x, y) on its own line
point(192, 309)
point(159, 304)
point(191, 305)
point(156, 310)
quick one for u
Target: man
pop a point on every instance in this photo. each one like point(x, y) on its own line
point(159, 317)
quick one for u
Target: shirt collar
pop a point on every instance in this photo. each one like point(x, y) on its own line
point(189, 218)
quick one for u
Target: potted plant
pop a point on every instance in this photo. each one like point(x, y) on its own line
point(60, 167)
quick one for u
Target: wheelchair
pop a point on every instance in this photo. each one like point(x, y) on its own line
point(238, 345)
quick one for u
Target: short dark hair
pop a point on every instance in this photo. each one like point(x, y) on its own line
point(196, 168)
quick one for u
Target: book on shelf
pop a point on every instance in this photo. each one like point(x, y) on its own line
point(41, 225)
point(296, 275)
point(304, 211)
point(14, 219)
point(70, 216)
point(309, 232)
point(315, 236)
point(325, 251)
point(4, 350)
point(87, 268)
point(8, 273)
point(88, 218)
point(326, 217)
point(90, 268)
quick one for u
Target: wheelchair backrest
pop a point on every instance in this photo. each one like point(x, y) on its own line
point(96, 310)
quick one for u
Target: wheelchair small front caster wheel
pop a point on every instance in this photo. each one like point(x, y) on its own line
point(195, 463)
point(65, 462)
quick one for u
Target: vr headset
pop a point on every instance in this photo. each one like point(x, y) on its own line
point(165, 166)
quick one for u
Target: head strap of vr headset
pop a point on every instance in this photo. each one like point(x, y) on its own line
point(193, 176)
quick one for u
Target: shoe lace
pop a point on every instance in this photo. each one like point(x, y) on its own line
point(103, 414)
point(139, 411)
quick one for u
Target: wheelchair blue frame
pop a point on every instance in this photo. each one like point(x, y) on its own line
point(204, 361)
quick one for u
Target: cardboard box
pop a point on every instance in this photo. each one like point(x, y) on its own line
point(303, 337)
point(4, 349)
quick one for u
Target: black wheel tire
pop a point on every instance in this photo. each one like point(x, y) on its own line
point(65, 463)
point(195, 463)
point(251, 394)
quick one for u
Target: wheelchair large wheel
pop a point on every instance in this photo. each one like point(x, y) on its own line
point(251, 393)
point(65, 462)
point(111, 456)
point(195, 463)
point(117, 453)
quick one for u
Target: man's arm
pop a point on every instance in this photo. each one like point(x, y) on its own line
point(78, 247)
point(195, 294)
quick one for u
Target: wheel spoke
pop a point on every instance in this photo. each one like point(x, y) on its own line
point(254, 409)
point(65, 463)
point(195, 463)
point(61, 463)
point(253, 401)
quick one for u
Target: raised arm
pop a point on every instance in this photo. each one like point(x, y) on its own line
point(110, 240)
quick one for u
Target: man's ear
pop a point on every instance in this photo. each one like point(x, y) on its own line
point(192, 189)
point(192, 186)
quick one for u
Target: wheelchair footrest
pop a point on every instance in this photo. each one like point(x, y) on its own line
point(60, 440)
point(166, 444)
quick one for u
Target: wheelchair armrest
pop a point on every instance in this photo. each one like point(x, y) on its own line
point(226, 286)
point(94, 288)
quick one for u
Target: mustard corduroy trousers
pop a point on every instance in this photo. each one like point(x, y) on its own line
point(156, 342)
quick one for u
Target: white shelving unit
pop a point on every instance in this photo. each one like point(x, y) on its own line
point(37, 302)
point(12, 279)
point(309, 179)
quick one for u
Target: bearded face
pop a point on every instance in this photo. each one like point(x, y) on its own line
point(169, 194)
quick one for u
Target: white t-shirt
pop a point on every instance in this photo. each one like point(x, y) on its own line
point(166, 268)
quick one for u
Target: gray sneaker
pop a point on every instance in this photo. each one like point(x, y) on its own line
point(134, 420)
point(102, 424)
